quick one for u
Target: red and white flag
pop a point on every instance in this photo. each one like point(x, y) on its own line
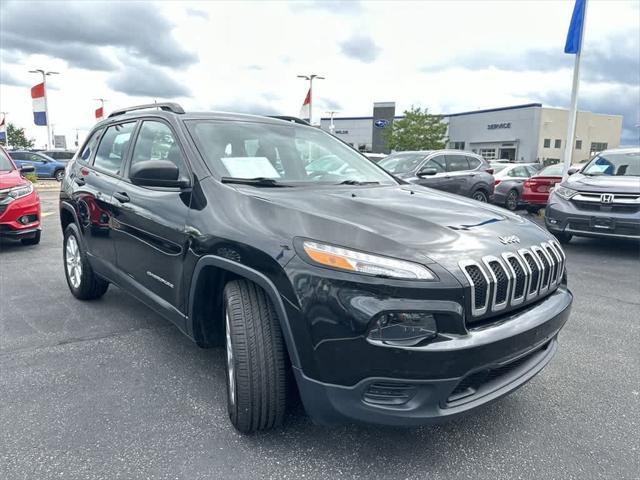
point(306, 107)
point(99, 113)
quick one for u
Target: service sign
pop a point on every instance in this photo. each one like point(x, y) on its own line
point(494, 126)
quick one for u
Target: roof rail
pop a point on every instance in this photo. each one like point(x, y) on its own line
point(167, 107)
point(290, 119)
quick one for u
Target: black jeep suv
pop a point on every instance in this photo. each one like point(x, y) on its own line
point(381, 301)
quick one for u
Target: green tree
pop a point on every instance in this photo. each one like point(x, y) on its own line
point(418, 130)
point(17, 137)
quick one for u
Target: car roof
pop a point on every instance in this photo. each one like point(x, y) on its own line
point(214, 115)
point(622, 150)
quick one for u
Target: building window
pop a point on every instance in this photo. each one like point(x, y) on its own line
point(547, 143)
point(598, 146)
point(488, 153)
point(457, 145)
point(557, 143)
point(578, 144)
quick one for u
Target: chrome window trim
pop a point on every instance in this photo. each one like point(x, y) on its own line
point(476, 312)
point(496, 307)
point(527, 277)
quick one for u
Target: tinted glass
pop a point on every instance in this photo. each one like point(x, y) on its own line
point(617, 164)
point(156, 142)
point(113, 147)
point(18, 155)
point(5, 163)
point(90, 146)
point(289, 153)
point(457, 163)
point(473, 163)
point(551, 171)
point(437, 162)
point(402, 162)
point(519, 172)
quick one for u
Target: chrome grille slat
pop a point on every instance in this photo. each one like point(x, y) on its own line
point(510, 279)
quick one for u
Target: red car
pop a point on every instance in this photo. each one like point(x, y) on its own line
point(536, 189)
point(19, 203)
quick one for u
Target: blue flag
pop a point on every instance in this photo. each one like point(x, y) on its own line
point(575, 28)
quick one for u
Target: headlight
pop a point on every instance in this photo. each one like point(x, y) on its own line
point(19, 191)
point(564, 192)
point(359, 262)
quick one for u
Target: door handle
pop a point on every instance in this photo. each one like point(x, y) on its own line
point(122, 197)
point(80, 181)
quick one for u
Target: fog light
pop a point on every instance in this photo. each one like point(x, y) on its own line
point(404, 328)
point(24, 219)
point(553, 221)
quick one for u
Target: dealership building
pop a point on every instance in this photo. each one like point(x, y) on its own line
point(523, 133)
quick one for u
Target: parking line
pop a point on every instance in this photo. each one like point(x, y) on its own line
point(46, 214)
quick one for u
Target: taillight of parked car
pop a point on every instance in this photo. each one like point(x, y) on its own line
point(497, 182)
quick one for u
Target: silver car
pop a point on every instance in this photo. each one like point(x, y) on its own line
point(454, 171)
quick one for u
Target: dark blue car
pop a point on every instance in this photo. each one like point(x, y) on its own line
point(46, 167)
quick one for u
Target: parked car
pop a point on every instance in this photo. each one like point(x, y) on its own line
point(453, 171)
point(19, 203)
point(384, 302)
point(45, 166)
point(535, 190)
point(602, 200)
point(509, 178)
point(375, 157)
point(60, 155)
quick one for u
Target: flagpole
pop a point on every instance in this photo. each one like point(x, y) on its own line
point(6, 130)
point(46, 102)
point(573, 109)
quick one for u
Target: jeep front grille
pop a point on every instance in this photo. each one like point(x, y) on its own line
point(507, 281)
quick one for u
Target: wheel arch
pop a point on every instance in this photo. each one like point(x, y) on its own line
point(210, 275)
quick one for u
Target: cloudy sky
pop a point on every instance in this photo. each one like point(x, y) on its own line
point(447, 56)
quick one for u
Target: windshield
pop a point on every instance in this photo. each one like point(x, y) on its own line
point(290, 154)
point(402, 162)
point(617, 164)
point(551, 171)
point(5, 163)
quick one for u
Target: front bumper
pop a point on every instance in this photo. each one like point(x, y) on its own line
point(459, 374)
point(562, 216)
point(11, 213)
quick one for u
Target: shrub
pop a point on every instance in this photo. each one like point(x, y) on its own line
point(32, 177)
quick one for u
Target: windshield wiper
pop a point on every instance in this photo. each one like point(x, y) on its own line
point(256, 181)
point(357, 182)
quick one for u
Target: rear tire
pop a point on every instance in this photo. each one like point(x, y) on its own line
point(59, 175)
point(256, 359)
point(33, 240)
point(563, 238)
point(480, 196)
point(511, 202)
point(83, 283)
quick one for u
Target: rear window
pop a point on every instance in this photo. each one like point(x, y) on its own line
point(551, 171)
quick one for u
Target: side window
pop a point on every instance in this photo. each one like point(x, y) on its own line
point(156, 142)
point(438, 163)
point(457, 163)
point(113, 147)
point(473, 163)
point(520, 172)
point(90, 147)
point(32, 157)
point(17, 156)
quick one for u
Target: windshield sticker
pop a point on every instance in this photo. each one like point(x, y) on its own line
point(249, 167)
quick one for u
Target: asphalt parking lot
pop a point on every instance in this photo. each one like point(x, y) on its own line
point(109, 389)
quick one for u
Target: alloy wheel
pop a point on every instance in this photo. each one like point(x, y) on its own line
point(73, 261)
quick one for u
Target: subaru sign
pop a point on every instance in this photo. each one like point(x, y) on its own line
point(381, 123)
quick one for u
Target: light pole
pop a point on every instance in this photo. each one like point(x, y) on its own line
point(332, 127)
point(310, 78)
point(46, 106)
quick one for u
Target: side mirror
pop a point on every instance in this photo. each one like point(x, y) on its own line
point(27, 169)
point(573, 170)
point(156, 173)
point(426, 172)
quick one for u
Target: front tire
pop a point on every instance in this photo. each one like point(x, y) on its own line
point(32, 240)
point(563, 237)
point(480, 196)
point(83, 283)
point(511, 202)
point(256, 359)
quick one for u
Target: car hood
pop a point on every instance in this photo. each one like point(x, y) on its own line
point(10, 179)
point(402, 221)
point(603, 183)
